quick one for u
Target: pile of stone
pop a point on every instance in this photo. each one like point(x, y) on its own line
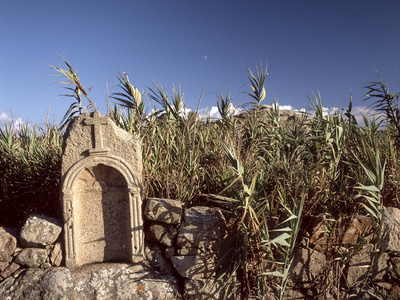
point(187, 239)
point(359, 260)
point(180, 248)
point(36, 245)
point(30, 269)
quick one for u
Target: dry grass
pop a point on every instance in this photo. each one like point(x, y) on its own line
point(264, 173)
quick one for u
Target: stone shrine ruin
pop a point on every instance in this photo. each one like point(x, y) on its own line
point(101, 192)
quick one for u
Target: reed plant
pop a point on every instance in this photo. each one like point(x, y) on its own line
point(74, 86)
point(29, 172)
point(266, 175)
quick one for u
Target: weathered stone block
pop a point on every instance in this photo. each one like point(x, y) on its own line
point(45, 265)
point(189, 251)
point(163, 210)
point(381, 265)
point(101, 192)
point(10, 270)
point(341, 232)
point(361, 261)
point(17, 251)
point(395, 261)
point(204, 289)
point(8, 244)
point(162, 234)
point(56, 255)
point(307, 265)
point(391, 229)
point(31, 257)
point(395, 292)
point(169, 252)
point(319, 235)
point(194, 266)
point(154, 256)
point(293, 294)
point(3, 265)
point(203, 227)
point(360, 228)
point(39, 231)
point(97, 281)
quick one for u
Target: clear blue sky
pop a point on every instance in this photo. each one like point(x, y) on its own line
point(329, 46)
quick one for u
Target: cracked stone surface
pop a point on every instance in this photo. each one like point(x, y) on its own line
point(99, 281)
point(40, 231)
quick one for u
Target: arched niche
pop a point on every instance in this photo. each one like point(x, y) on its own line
point(102, 212)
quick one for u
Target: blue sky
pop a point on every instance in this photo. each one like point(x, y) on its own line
point(332, 47)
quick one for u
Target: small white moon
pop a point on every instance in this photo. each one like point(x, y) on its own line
point(205, 57)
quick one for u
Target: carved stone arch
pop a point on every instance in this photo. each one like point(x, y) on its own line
point(101, 198)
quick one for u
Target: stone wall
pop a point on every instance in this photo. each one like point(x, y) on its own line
point(184, 242)
point(179, 252)
point(37, 244)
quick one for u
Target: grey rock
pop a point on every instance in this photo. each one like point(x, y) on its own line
point(355, 229)
point(189, 251)
point(31, 257)
point(8, 244)
point(360, 228)
point(204, 289)
point(307, 265)
point(16, 273)
point(163, 210)
point(384, 285)
point(194, 266)
point(45, 265)
point(162, 234)
point(395, 292)
point(153, 253)
point(203, 227)
point(391, 229)
point(3, 265)
point(293, 294)
point(10, 270)
point(194, 287)
point(169, 252)
point(361, 261)
point(39, 231)
point(56, 255)
point(358, 265)
point(97, 281)
point(395, 261)
point(17, 251)
point(154, 256)
point(381, 265)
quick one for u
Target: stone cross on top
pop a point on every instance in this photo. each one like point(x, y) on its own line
point(96, 121)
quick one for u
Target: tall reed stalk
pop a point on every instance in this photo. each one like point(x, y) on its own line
point(264, 173)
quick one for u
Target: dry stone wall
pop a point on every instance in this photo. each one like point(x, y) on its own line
point(179, 260)
point(36, 245)
point(186, 240)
